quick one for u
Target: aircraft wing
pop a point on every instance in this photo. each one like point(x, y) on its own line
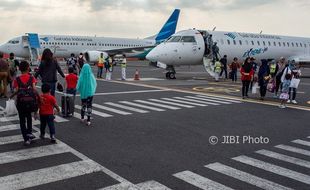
point(127, 50)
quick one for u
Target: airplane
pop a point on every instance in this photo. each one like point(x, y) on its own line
point(64, 45)
point(188, 47)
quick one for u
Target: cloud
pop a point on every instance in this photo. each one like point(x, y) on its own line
point(6, 5)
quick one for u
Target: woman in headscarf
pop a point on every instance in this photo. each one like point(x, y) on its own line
point(246, 76)
point(87, 87)
point(48, 70)
point(263, 78)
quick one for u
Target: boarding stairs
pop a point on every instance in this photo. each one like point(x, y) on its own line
point(209, 65)
point(32, 42)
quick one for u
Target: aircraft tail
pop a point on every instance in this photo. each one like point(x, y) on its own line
point(169, 27)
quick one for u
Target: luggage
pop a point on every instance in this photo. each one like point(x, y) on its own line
point(67, 105)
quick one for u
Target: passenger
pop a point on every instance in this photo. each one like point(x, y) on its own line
point(13, 66)
point(123, 66)
point(279, 73)
point(48, 70)
point(100, 65)
point(87, 87)
point(284, 96)
point(273, 67)
point(224, 66)
point(81, 61)
point(72, 62)
point(246, 76)
point(215, 51)
point(234, 66)
point(217, 69)
point(254, 66)
point(263, 78)
point(296, 73)
point(27, 100)
point(71, 81)
point(47, 105)
point(4, 76)
point(109, 69)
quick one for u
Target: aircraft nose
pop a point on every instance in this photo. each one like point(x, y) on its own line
point(151, 55)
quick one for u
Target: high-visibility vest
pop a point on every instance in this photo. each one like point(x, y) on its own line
point(273, 68)
point(218, 67)
point(123, 63)
point(100, 62)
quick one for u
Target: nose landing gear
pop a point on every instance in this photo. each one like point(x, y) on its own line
point(171, 72)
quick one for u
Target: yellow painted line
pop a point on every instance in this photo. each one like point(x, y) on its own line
point(270, 103)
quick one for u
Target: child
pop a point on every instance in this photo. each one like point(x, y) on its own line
point(71, 81)
point(285, 89)
point(47, 105)
point(86, 86)
point(27, 100)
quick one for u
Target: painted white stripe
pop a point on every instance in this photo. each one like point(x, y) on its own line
point(127, 107)
point(199, 181)
point(294, 149)
point(222, 99)
point(127, 92)
point(121, 186)
point(284, 158)
point(246, 177)
point(152, 185)
point(208, 100)
point(30, 153)
point(196, 101)
point(101, 114)
point(59, 119)
point(7, 119)
point(172, 103)
point(14, 139)
point(274, 169)
point(184, 102)
point(302, 142)
point(48, 175)
point(111, 109)
point(141, 106)
point(158, 105)
point(9, 128)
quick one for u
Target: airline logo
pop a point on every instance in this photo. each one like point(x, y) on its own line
point(45, 39)
point(231, 35)
point(254, 52)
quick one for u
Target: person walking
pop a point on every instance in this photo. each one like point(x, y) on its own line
point(217, 70)
point(263, 78)
point(296, 73)
point(27, 100)
point(254, 66)
point(123, 66)
point(246, 76)
point(224, 66)
point(87, 87)
point(100, 65)
point(13, 66)
point(234, 69)
point(81, 61)
point(72, 62)
point(48, 70)
point(278, 75)
point(4, 76)
point(284, 96)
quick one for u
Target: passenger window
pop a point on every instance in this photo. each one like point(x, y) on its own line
point(175, 39)
point(228, 42)
point(284, 44)
point(264, 43)
point(240, 42)
point(288, 44)
point(300, 44)
point(269, 44)
point(274, 43)
point(252, 43)
point(296, 44)
point(188, 39)
point(258, 43)
point(234, 42)
point(279, 44)
point(293, 44)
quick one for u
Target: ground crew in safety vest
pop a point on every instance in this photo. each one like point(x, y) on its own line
point(123, 66)
point(217, 70)
point(100, 65)
point(273, 67)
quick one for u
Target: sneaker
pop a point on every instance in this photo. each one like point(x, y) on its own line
point(288, 101)
point(282, 106)
point(53, 140)
point(27, 142)
point(88, 123)
point(294, 101)
point(31, 136)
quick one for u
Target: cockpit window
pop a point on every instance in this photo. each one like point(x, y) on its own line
point(13, 42)
point(174, 39)
point(187, 39)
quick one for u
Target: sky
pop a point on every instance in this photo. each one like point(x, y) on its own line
point(143, 18)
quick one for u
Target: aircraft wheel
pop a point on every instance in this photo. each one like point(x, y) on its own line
point(167, 75)
point(171, 75)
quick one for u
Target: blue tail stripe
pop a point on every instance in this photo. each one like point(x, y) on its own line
point(169, 28)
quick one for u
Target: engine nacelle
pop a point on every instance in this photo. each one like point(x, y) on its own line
point(92, 56)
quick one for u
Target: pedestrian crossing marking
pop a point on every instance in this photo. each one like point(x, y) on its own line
point(141, 106)
point(222, 99)
point(284, 158)
point(152, 185)
point(274, 169)
point(127, 107)
point(172, 103)
point(101, 114)
point(200, 181)
point(197, 101)
point(183, 102)
point(209, 100)
point(158, 105)
point(58, 119)
point(302, 142)
point(13, 139)
point(293, 149)
point(246, 177)
point(111, 109)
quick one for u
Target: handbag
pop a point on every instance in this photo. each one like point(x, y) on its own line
point(254, 88)
point(284, 96)
point(10, 108)
point(271, 86)
point(294, 83)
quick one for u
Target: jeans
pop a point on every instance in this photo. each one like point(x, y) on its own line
point(99, 72)
point(87, 107)
point(71, 91)
point(292, 95)
point(224, 70)
point(49, 120)
point(263, 90)
point(52, 86)
point(234, 75)
point(26, 129)
point(245, 87)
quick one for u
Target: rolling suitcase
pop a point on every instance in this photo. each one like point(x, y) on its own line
point(67, 105)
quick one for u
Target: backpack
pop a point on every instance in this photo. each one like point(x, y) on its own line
point(27, 98)
point(71, 62)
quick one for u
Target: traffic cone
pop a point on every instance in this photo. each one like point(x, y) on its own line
point(137, 75)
